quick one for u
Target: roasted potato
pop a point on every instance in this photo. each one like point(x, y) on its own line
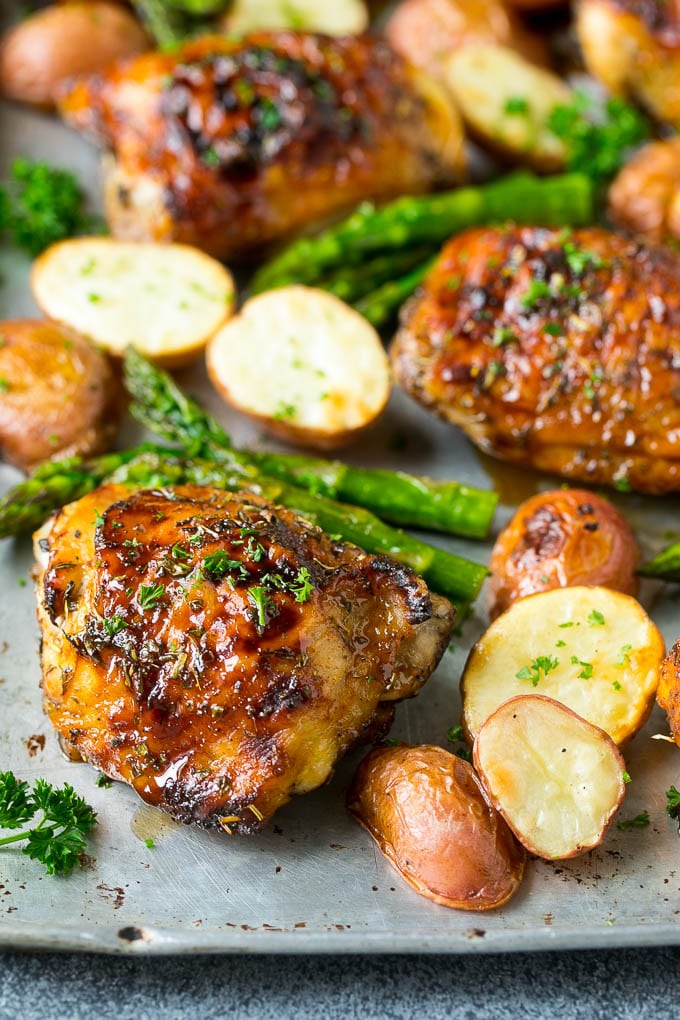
point(59, 395)
point(66, 39)
point(634, 48)
point(556, 779)
point(645, 197)
point(506, 101)
point(328, 16)
point(304, 365)
point(426, 811)
point(593, 649)
point(427, 32)
point(668, 694)
point(166, 299)
point(560, 538)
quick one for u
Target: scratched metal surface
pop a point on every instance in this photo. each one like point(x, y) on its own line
point(313, 882)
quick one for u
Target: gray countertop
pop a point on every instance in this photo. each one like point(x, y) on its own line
point(624, 983)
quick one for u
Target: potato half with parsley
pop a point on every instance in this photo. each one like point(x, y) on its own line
point(592, 649)
point(59, 395)
point(506, 102)
point(304, 365)
point(165, 299)
point(556, 779)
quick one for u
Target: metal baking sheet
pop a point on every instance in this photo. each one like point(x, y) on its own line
point(313, 881)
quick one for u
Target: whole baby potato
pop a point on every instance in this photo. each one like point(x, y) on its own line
point(426, 811)
point(67, 39)
point(559, 539)
point(58, 394)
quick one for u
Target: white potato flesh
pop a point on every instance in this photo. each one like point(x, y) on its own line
point(165, 299)
point(593, 649)
point(506, 101)
point(557, 780)
point(349, 17)
point(303, 363)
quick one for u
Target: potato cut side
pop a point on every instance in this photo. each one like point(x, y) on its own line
point(506, 101)
point(593, 649)
point(350, 17)
point(304, 364)
point(166, 299)
point(557, 780)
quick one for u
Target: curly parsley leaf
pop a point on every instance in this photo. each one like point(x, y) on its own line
point(640, 821)
point(673, 803)
point(59, 837)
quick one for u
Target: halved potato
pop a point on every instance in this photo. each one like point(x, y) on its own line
point(59, 395)
point(166, 299)
point(506, 102)
point(560, 538)
point(350, 17)
point(593, 649)
point(557, 780)
point(305, 365)
point(426, 811)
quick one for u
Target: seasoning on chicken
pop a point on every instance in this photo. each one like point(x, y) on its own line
point(556, 350)
point(219, 653)
point(229, 144)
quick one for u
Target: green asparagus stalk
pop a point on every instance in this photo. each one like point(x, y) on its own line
point(350, 284)
point(382, 304)
point(665, 566)
point(560, 200)
point(453, 576)
point(160, 405)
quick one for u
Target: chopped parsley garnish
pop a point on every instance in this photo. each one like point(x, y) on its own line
point(616, 685)
point(578, 259)
point(103, 782)
point(456, 736)
point(149, 843)
point(284, 411)
point(114, 624)
point(98, 519)
point(624, 656)
point(177, 552)
point(217, 565)
point(596, 619)
point(302, 587)
point(516, 105)
point(150, 595)
point(586, 668)
point(625, 776)
point(640, 821)
point(59, 837)
point(263, 603)
point(543, 664)
point(673, 802)
point(535, 292)
point(553, 329)
point(503, 335)
point(597, 145)
point(40, 205)
point(569, 623)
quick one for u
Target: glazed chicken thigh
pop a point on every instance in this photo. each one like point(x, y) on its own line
point(229, 144)
point(219, 653)
point(556, 350)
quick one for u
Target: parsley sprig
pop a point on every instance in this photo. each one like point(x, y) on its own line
point(59, 837)
point(542, 664)
point(40, 205)
point(673, 803)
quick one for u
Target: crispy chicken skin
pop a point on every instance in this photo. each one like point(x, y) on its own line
point(219, 653)
point(230, 144)
point(633, 47)
point(668, 693)
point(553, 350)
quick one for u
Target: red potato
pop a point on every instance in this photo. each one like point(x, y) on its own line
point(58, 396)
point(645, 196)
point(426, 811)
point(41, 52)
point(561, 538)
point(557, 780)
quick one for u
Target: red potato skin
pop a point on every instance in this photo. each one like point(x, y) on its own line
point(559, 539)
point(505, 711)
point(426, 811)
point(668, 692)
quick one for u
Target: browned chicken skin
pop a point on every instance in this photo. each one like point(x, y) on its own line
point(219, 653)
point(554, 350)
point(230, 144)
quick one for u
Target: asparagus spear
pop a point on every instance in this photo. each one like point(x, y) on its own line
point(665, 565)
point(160, 405)
point(382, 304)
point(560, 200)
point(457, 578)
point(354, 282)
